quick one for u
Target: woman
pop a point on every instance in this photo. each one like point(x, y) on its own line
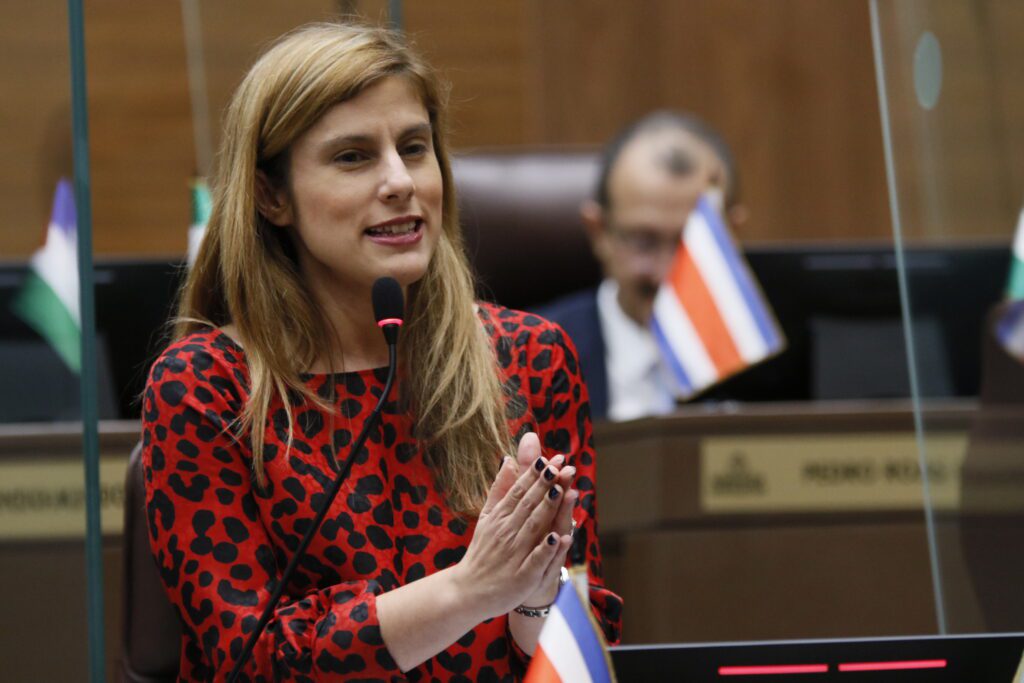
point(333, 172)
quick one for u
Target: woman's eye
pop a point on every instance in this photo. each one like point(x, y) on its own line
point(414, 149)
point(350, 157)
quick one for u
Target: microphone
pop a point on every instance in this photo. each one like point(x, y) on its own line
point(388, 305)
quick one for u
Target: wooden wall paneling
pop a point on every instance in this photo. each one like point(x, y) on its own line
point(35, 119)
point(592, 70)
point(480, 49)
point(139, 127)
point(1004, 22)
point(140, 113)
point(231, 44)
point(958, 165)
point(790, 85)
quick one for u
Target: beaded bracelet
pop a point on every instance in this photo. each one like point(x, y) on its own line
point(563, 577)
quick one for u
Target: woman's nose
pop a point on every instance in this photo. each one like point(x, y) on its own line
point(397, 183)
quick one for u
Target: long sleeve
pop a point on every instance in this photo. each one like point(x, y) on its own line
point(217, 558)
point(542, 364)
point(565, 427)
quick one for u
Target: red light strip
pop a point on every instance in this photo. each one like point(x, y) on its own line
point(773, 669)
point(893, 666)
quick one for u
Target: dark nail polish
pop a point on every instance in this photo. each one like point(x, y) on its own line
point(553, 493)
point(549, 474)
point(539, 465)
point(551, 539)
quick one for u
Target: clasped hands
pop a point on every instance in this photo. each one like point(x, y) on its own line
point(523, 533)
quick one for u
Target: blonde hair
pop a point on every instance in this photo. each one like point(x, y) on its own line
point(246, 272)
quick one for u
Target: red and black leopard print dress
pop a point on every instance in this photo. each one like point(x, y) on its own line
point(221, 543)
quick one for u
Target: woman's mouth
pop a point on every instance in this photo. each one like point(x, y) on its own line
point(404, 232)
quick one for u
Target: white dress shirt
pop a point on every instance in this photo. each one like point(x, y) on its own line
point(639, 381)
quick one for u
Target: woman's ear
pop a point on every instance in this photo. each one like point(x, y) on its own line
point(273, 203)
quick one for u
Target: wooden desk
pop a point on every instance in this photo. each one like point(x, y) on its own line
point(691, 563)
point(42, 572)
point(847, 557)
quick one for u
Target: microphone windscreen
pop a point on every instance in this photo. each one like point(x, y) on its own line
point(388, 302)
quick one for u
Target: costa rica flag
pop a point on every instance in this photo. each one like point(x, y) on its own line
point(711, 319)
point(571, 647)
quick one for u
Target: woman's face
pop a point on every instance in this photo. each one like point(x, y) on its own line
point(365, 191)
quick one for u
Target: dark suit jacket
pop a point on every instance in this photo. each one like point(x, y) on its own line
point(577, 314)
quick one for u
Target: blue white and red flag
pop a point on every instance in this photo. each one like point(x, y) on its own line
point(571, 647)
point(711, 319)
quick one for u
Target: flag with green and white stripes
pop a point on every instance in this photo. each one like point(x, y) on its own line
point(201, 206)
point(48, 299)
point(1015, 285)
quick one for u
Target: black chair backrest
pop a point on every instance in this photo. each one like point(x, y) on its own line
point(151, 631)
point(520, 213)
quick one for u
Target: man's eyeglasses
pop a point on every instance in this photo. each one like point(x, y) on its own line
point(645, 242)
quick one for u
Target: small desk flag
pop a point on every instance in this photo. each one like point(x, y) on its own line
point(711, 319)
point(1015, 286)
point(48, 301)
point(571, 647)
point(201, 206)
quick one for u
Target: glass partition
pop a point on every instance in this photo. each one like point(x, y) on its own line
point(955, 109)
point(786, 502)
point(50, 563)
point(159, 77)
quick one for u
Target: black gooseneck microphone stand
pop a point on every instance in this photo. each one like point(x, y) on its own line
point(387, 309)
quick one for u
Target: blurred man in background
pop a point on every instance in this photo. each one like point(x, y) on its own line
point(651, 175)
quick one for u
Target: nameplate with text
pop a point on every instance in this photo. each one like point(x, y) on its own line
point(829, 472)
point(46, 499)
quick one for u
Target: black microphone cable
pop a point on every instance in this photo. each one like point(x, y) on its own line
point(387, 309)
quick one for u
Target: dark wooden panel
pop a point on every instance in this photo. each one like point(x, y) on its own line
point(35, 119)
point(139, 127)
point(480, 49)
point(960, 165)
point(790, 83)
point(777, 582)
point(46, 637)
